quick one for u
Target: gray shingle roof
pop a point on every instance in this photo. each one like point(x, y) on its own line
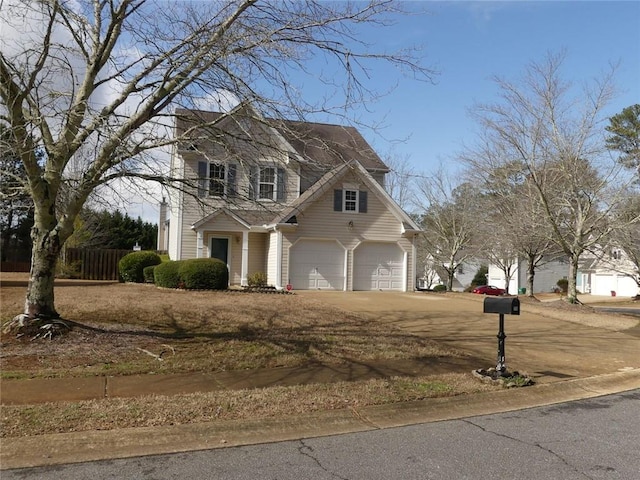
point(323, 144)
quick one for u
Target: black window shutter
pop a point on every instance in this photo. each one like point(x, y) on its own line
point(231, 181)
point(337, 200)
point(253, 182)
point(281, 179)
point(202, 179)
point(362, 202)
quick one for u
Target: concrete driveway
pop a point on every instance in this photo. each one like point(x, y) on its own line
point(549, 349)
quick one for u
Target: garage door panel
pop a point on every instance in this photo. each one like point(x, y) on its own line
point(378, 266)
point(317, 264)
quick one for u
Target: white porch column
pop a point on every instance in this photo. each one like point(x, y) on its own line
point(199, 243)
point(244, 269)
point(278, 284)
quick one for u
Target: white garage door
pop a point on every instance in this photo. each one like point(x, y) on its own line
point(317, 264)
point(378, 266)
point(603, 284)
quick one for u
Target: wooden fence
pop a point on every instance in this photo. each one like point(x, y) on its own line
point(93, 264)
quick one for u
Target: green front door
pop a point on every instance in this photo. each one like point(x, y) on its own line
point(220, 249)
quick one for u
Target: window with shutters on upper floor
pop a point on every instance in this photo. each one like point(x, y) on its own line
point(216, 180)
point(350, 200)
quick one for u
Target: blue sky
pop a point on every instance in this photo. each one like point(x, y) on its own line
point(470, 42)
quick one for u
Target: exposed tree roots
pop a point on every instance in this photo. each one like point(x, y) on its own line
point(36, 328)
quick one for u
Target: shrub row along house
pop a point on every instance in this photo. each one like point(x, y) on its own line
point(303, 203)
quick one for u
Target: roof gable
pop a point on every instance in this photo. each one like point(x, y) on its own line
point(330, 179)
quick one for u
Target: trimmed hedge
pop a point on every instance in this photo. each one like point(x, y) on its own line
point(257, 279)
point(132, 265)
point(147, 273)
point(166, 275)
point(440, 288)
point(203, 274)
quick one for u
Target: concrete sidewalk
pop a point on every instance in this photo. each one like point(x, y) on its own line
point(568, 360)
point(33, 391)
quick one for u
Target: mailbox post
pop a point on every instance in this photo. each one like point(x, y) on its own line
point(502, 306)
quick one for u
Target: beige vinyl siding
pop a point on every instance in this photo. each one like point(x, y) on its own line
point(286, 245)
point(243, 169)
point(176, 210)
point(257, 253)
point(319, 221)
point(191, 213)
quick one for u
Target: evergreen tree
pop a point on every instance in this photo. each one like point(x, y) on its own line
point(625, 136)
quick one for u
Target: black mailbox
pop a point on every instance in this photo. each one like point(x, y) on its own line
point(503, 305)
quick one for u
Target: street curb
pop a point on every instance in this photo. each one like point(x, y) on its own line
point(56, 449)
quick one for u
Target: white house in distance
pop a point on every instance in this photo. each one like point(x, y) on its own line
point(303, 203)
point(608, 273)
point(545, 279)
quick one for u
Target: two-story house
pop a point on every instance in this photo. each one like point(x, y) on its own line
point(302, 202)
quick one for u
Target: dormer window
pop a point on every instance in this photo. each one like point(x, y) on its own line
point(350, 201)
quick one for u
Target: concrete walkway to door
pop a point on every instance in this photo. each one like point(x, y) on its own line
point(539, 341)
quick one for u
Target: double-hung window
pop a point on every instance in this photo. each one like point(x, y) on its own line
point(350, 199)
point(217, 180)
point(350, 203)
point(267, 183)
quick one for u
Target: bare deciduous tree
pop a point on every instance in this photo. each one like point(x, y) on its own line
point(449, 220)
point(399, 181)
point(514, 214)
point(557, 141)
point(93, 84)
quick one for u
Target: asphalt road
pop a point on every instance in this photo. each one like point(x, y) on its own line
point(587, 439)
point(624, 310)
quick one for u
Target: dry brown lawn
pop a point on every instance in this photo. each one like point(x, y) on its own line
point(121, 329)
point(118, 328)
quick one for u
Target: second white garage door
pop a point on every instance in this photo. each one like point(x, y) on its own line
point(378, 266)
point(317, 265)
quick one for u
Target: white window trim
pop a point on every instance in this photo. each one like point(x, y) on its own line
point(274, 197)
point(356, 200)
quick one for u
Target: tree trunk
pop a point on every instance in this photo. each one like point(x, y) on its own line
point(40, 297)
point(450, 276)
point(531, 273)
point(507, 279)
point(572, 290)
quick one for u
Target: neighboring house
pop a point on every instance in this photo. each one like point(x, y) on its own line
point(437, 275)
point(302, 202)
point(545, 279)
point(609, 272)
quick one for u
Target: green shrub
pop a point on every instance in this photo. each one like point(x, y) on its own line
point(257, 279)
point(204, 274)
point(563, 285)
point(440, 288)
point(132, 265)
point(480, 278)
point(167, 275)
point(147, 273)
